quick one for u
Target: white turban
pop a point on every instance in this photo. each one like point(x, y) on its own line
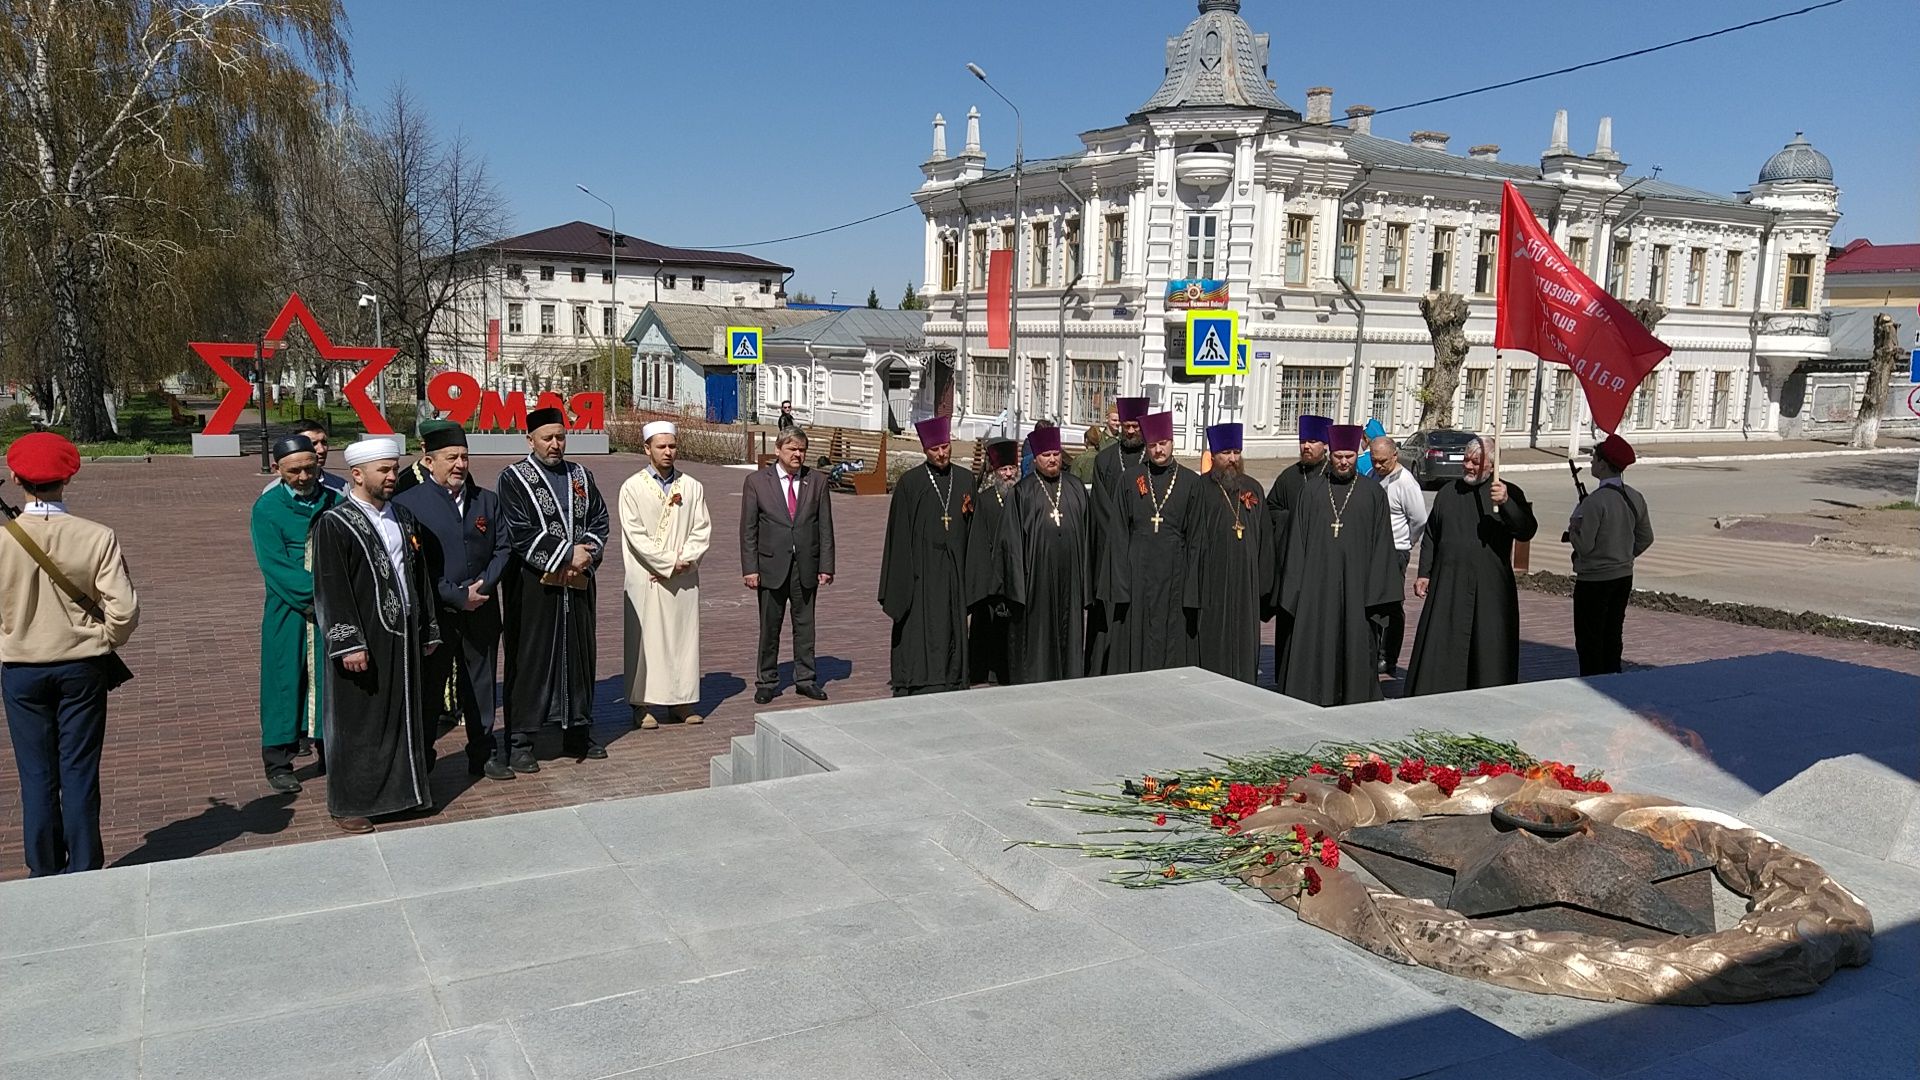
point(371, 448)
point(657, 427)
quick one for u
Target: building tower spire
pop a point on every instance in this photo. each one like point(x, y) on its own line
point(939, 138)
point(973, 130)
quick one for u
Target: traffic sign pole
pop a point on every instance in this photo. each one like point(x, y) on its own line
point(743, 351)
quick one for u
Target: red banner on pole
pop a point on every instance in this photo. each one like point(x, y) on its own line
point(1549, 308)
point(999, 296)
point(493, 341)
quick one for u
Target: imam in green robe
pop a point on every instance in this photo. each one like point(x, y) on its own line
point(290, 653)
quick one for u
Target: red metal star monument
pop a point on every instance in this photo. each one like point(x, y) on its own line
point(217, 353)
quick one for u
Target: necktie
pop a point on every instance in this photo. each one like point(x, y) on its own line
point(793, 496)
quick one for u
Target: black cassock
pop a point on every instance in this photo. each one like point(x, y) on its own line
point(1056, 577)
point(1330, 581)
point(991, 583)
point(1152, 628)
point(1469, 633)
point(1231, 574)
point(1282, 497)
point(549, 628)
point(923, 580)
point(378, 746)
point(1110, 467)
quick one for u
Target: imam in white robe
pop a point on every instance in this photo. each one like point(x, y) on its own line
point(663, 607)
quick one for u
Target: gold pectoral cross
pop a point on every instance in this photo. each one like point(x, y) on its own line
point(946, 520)
point(1055, 515)
point(1156, 521)
point(1336, 528)
point(1239, 531)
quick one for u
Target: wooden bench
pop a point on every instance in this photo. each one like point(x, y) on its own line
point(181, 418)
point(840, 445)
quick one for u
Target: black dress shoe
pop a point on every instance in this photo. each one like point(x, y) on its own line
point(761, 697)
point(809, 690)
point(523, 761)
point(491, 769)
point(285, 783)
point(305, 749)
point(582, 746)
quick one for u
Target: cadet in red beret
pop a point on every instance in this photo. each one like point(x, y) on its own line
point(1609, 529)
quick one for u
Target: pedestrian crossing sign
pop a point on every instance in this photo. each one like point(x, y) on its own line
point(1213, 344)
point(743, 344)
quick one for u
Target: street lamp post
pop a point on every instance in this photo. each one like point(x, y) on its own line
point(368, 296)
point(1013, 279)
point(613, 294)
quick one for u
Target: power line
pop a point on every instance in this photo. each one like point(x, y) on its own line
point(1303, 124)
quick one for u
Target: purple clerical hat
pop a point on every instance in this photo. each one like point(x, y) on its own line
point(934, 431)
point(1156, 426)
point(1315, 428)
point(1130, 408)
point(1043, 440)
point(1002, 452)
point(1347, 437)
point(1224, 437)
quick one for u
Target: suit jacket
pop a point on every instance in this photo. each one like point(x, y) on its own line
point(460, 548)
point(774, 545)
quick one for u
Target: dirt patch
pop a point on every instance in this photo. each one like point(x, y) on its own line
point(1806, 622)
point(1890, 533)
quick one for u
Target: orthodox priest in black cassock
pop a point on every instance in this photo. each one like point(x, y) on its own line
point(991, 578)
point(1152, 628)
point(374, 605)
point(1232, 570)
point(557, 523)
point(1054, 531)
point(1110, 467)
point(1282, 497)
point(923, 569)
point(1469, 634)
point(1339, 566)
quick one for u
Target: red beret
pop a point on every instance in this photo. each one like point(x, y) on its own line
point(43, 458)
point(1618, 452)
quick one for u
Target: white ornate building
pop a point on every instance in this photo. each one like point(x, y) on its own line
point(1216, 178)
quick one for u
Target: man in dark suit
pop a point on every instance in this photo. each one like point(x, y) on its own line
point(463, 531)
point(786, 554)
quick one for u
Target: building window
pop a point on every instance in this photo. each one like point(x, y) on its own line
point(1641, 407)
point(1040, 259)
point(1202, 237)
point(1346, 254)
point(766, 286)
point(1697, 277)
point(1039, 397)
point(1730, 280)
point(1486, 265)
point(699, 282)
point(546, 273)
point(579, 274)
point(1313, 391)
point(1393, 264)
point(1006, 241)
point(1299, 247)
point(1683, 399)
point(645, 370)
point(1519, 383)
point(606, 277)
point(606, 321)
point(1617, 270)
point(1562, 400)
point(989, 383)
point(1095, 385)
point(1070, 252)
point(515, 272)
point(579, 320)
point(1385, 391)
point(978, 274)
point(1116, 246)
point(949, 263)
point(548, 316)
point(1441, 277)
point(516, 318)
point(1473, 401)
point(1722, 406)
point(1657, 273)
point(1799, 282)
point(1577, 253)
point(670, 281)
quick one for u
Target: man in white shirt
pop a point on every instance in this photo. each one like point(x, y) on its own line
point(1407, 511)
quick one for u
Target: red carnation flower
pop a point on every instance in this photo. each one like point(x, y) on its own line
point(1446, 778)
point(1300, 836)
point(1160, 819)
point(1413, 771)
point(1269, 858)
point(1302, 797)
point(1330, 852)
point(1346, 783)
point(1318, 769)
point(1599, 787)
point(1313, 882)
point(1218, 820)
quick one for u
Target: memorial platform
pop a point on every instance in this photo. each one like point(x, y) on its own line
point(844, 904)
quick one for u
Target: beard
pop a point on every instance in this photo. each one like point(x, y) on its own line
point(1133, 445)
point(1229, 473)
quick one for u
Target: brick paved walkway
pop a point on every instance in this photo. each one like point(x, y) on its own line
point(182, 770)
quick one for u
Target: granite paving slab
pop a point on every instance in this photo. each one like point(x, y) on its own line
point(662, 826)
point(748, 884)
point(66, 910)
point(464, 854)
point(69, 999)
point(188, 894)
point(518, 924)
point(603, 971)
point(349, 1040)
point(870, 1046)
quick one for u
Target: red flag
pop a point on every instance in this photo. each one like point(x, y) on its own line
point(999, 296)
point(1549, 308)
point(493, 341)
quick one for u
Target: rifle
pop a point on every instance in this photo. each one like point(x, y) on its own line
point(1566, 537)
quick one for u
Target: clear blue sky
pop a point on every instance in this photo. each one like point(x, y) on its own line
point(713, 124)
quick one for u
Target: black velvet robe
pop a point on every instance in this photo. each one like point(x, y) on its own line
point(991, 583)
point(1231, 575)
point(923, 569)
point(378, 743)
point(1469, 633)
point(1281, 499)
point(1110, 467)
point(1056, 578)
point(1152, 628)
point(549, 628)
point(1329, 585)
